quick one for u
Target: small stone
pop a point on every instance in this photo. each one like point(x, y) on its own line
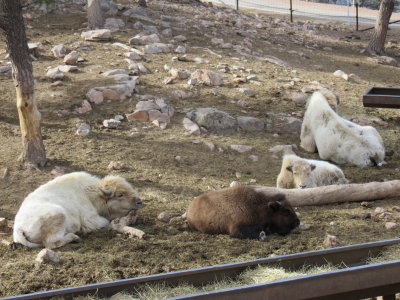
point(380, 210)
point(191, 126)
point(119, 117)
point(164, 217)
point(140, 116)
point(192, 81)
point(247, 92)
point(55, 73)
point(284, 149)
point(210, 145)
point(208, 77)
point(304, 226)
point(333, 223)
point(241, 148)
point(178, 158)
point(235, 183)
point(47, 256)
point(57, 171)
point(111, 123)
point(68, 68)
point(71, 58)
point(253, 158)
point(180, 49)
point(238, 175)
point(331, 241)
point(3, 224)
point(116, 165)
point(390, 225)
point(366, 204)
point(253, 180)
point(83, 129)
point(340, 73)
point(95, 96)
point(84, 108)
point(5, 173)
point(59, 51)
point(97, 35)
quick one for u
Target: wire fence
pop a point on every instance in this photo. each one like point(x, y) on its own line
point(344, 10)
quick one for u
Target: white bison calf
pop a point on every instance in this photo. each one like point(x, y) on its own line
point(54, 212)
point(297, 172)
point(338, 139)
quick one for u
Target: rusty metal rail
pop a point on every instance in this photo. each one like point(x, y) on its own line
point(346, 256)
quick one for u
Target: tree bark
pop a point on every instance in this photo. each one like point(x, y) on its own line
point(142, 3)
point(377, 44)
point(12, 24)
point(95, 17)
point(337, 193)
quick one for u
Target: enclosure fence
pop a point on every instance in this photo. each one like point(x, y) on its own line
point(340, 10)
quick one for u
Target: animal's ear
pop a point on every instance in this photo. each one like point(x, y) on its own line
point(275, 205)
point(312, 167)
point(106, 193)
point(289, 168)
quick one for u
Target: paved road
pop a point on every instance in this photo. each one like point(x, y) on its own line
point(310, 9)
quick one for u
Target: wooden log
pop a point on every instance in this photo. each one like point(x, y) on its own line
point(337, 193)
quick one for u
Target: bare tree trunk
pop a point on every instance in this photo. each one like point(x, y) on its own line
point(377, 43)
point(337, 193)
point(95, 17)
point(12, 24)
point(142, 3)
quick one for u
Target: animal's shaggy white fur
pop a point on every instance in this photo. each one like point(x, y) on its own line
point(297, 172)
point(338, 139)
point(54, 212)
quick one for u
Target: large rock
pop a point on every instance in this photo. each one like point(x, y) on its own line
point(59, 51)
point(250, 123)
point(207, 77)
point(383, 60)
point(158, 48)
point(280, 123)
point(214, 120)
point(55, 73)
point(141, 39)
point(71, 58)
point(97, 35)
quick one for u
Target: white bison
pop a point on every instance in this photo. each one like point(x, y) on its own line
point(338, 139)
point(297, 172)
point(54, 212)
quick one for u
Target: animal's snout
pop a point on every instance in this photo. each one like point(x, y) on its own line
point(138, 202)
point(302, 186)
point(295, 224)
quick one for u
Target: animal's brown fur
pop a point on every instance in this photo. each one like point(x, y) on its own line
point(241, 212)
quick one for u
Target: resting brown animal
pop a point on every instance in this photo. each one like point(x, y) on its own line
point(241, 212)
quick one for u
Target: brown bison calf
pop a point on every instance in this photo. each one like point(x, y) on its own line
point(241, 212)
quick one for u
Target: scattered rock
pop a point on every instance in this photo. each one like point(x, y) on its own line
point(253, 158)
point(83, 129)
point(299, 98)
point(284, 149)
point(366, 216)
point(383, 60)
point(235, 183)
point(59, 51)
point(3, 224)
point(95, 96)
point(208, 77)
point(247, 92)
point(304, 226)
point(164, 217)
point(113, 24)
point(213, 120)
point(116, 165)
point(191, 126)
point(333, 223)
point(158, 48)
point(67, 68)
point(366, 204)
point(180, 49)
point(396, 208)
point(55, 73)
point(84, 108)
point(331, 241)
point(241, 148)
point(71, 58)
point(340, 73)
point(280, 123)
point(250, 123)
point(141, 39)
point(111, 123)
point(274, 60)
point(140, 116)
point(380, 210)
point(97, 35)
point(390, 225)
point(210, 145)
point(46, 256)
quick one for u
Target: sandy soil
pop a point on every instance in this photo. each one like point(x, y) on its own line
point(166, 184)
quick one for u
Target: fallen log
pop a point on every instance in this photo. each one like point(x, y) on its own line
point(337, 193)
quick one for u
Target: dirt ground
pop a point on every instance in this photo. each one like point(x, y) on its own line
point(167, 184)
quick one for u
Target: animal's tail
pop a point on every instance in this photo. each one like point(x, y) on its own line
point(20, 237)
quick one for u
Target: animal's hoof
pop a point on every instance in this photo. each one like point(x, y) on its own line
point(15, 245)
point(262, 237)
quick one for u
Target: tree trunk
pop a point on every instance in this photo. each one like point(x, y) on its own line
point(337, 193)
point(12, 24)
point(95, 17)
point(142, 3)
point(377, 43)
